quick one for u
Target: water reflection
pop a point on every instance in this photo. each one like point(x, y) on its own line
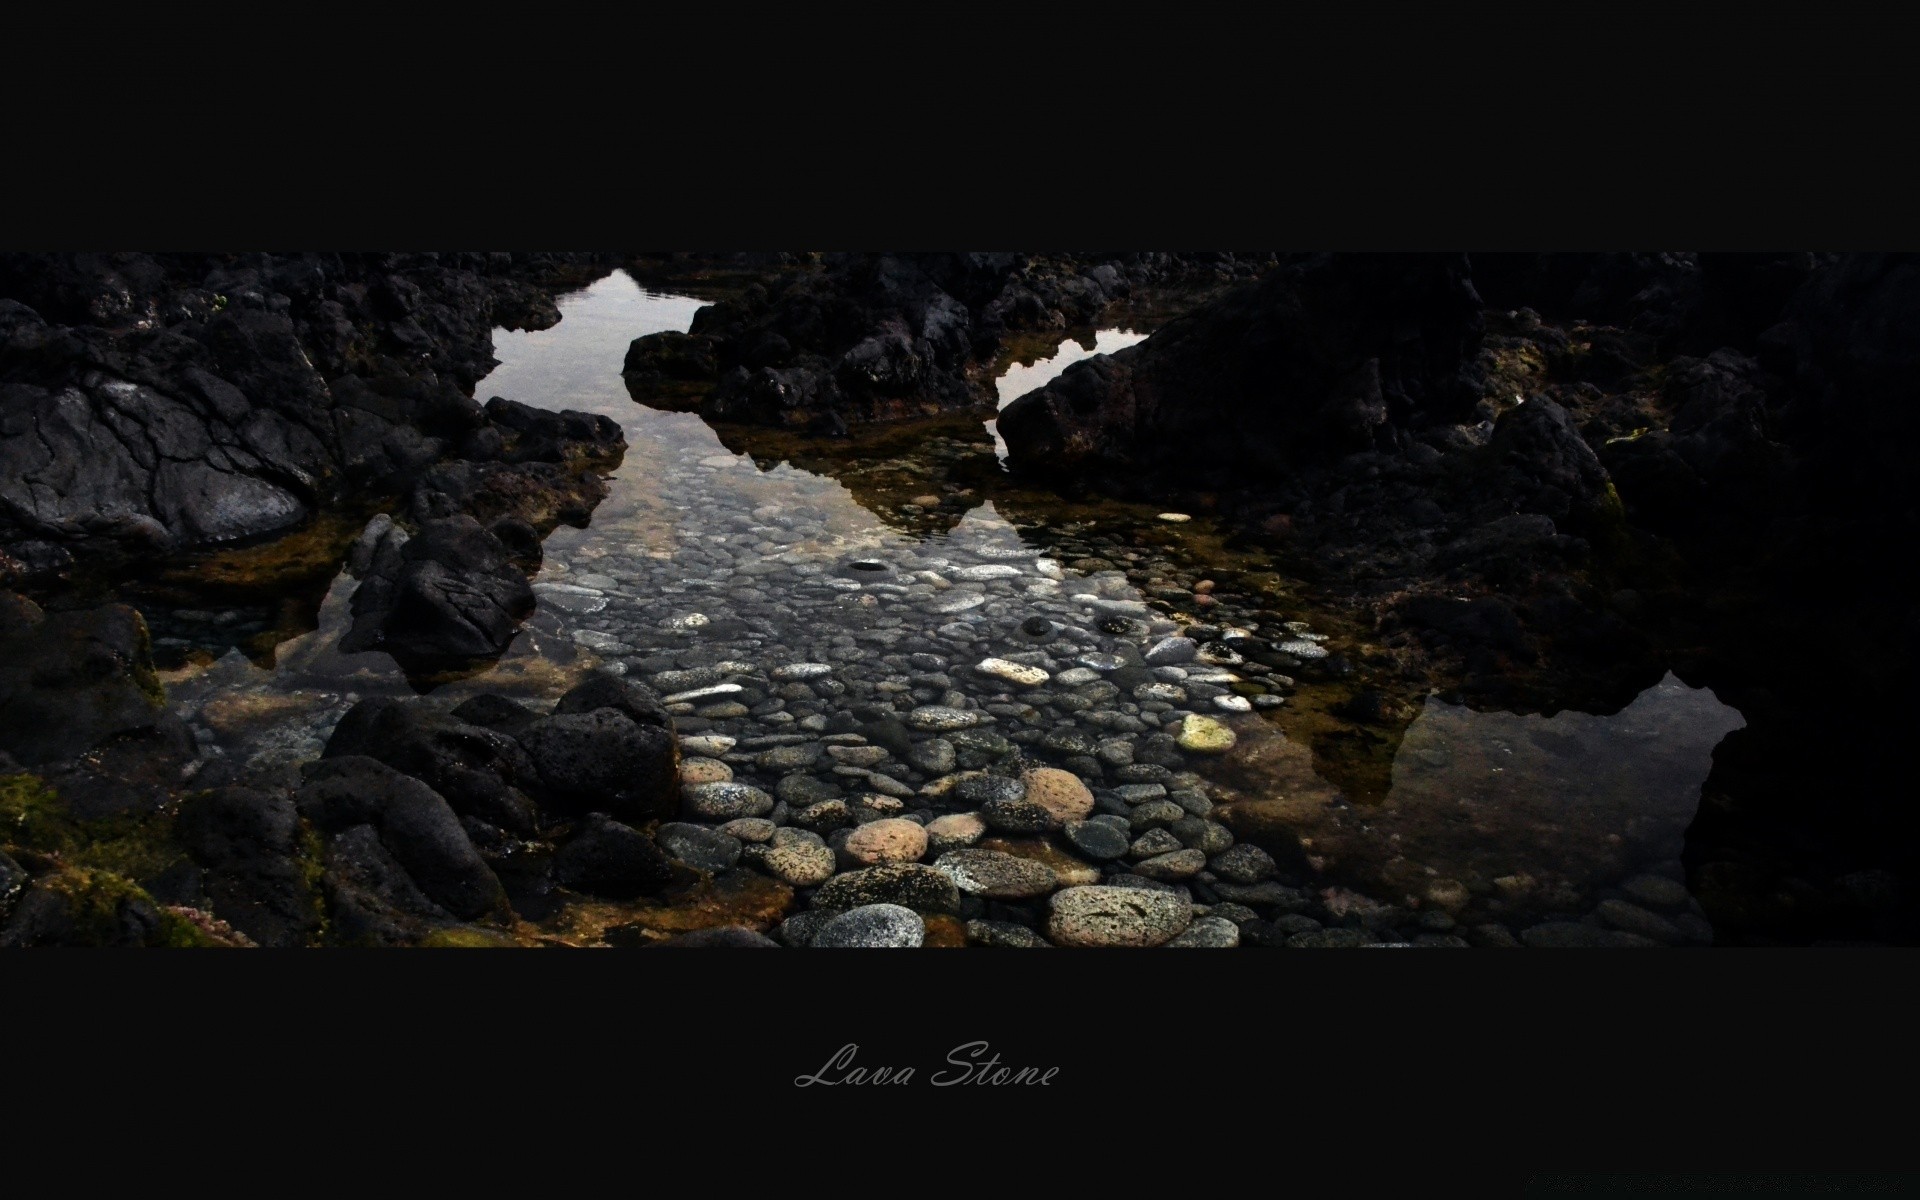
point(1021, 378)
point(703, 555)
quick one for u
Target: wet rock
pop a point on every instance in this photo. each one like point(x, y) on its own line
point(1207, 933)
point(1175, 865)
point(749, 829)
point(889, 840)
point(449, 596)
point(996, 875)
point(912, 885)
point(255, 872)
point(1243, 864)
point(1097, 840)
point(1116, 916)
point(802, 864)
point(941, 719)
point(71, 680)
point(479, 770)
point(954, 831)
point(1657, 891)
point(1004, 934)
point(1061, 793)
point(872, 926)
point(725, 801)
point(1573, 933)
point(607, 858)
point(699, 847)
point(1020, 815)
point(602, 761)
point(1204, 735)
point(1171, 652)
point(413, 822)
point(637, 703)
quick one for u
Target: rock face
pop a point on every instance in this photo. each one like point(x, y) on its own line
point(161, 401)
point(1321, 358)
point(863, 337)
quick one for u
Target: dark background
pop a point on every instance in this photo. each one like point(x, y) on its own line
point(1367, 127)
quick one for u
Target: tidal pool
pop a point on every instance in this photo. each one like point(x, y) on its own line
point(905, 574)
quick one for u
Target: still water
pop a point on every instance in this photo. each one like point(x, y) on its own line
point(710, 559)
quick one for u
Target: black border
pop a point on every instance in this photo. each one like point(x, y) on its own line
point(1363, 127)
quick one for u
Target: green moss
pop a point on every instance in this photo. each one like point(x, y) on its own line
point(466, 937)
point(31, 815)
point(133, 845)
point(143, 674)
point(312, 868)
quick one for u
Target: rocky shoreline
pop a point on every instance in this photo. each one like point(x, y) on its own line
point(978, 740)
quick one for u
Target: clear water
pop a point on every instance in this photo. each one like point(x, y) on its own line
point(709, 555)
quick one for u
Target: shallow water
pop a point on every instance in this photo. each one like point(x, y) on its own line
point(704, 557)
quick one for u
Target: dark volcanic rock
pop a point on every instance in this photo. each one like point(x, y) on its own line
point(70, 680)
point(873, 336)
point(603, 760)
point(448, 596)
point(163, 401)
point(255, 874)
point(414, 823)
point(606, 858)
point(479, 770)
point(1318, 359)
point(637, 702)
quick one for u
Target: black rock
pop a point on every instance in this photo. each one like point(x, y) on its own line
point(255, 867)
point(607, 858)
point(413, 822)
point(479, 770)
point(601, 760)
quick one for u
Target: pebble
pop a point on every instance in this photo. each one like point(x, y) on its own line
point(803, 670)
point(1060, 792)
point(1018, 816)
point(1004, 934)
point(1178, 864)
point(725, 801)
point(1204, 735)
point(913, 885)
point(1012, 672)
point(699, 847)
point(1097, 839)
point(704, 770)
point(1171, 652)
point(801, 865)
point(888, 840)
point(956, 602)
point(938, 718)
point(1658, 891)
point(1208, 933)
point(1233, 703)
point(749, 829)
point(1099, 916)
point(710, 744)
point(1243, 864)
point(1175, 518)
point(995, 874)
point(872, 927)
point(955, 831)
